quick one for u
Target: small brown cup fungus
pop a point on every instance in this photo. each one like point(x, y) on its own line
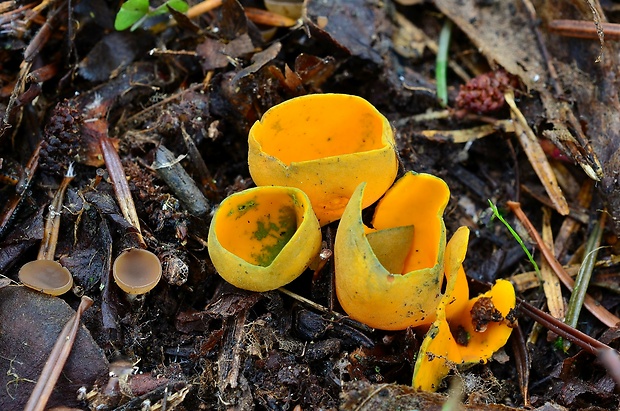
point(136, 271)
point(46, 276)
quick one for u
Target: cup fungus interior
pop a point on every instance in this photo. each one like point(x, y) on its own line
point(136, 271)
point(305, 128)
point(257, 228)
point(46, 276)
point(416, 200)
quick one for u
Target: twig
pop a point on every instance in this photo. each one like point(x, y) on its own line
point(607, 355)
point(565, 331)
point(7, 214)
point(369, 396)
point(584, 29)
point(119, 182)
point(550, 282)
point(56, 360)
point(202, 8)
point(172, 172)
point(52, 224)
point(325, 310)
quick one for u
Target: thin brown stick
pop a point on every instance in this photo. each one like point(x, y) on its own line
point(56, 360)
point(583, 340)
point(584, 29)
point(119, 182)
point(202, 8)
point(7, 214)
point(590, 303)
point(52, 224)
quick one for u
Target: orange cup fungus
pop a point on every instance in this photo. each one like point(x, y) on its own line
point(263, 238)
point(466, 331)
point(389, 277)
point(325, 145)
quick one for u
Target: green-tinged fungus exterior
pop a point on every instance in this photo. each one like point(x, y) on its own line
point(263, 238)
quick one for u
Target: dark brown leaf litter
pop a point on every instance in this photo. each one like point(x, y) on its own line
point(29, 326)
point(195, 87)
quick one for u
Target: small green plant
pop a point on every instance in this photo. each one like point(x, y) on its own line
point(133, 13)
point(517, 237)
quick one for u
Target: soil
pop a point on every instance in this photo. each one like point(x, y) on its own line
point(195, 86)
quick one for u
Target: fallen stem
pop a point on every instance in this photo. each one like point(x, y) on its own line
point(52, 224)
point(202, 7)
point(536, 155)
point(56, 360)
point(119, 182)
point(606, 355)
point(565, 331)
point(325, 310)
point(584, 29)
point(590, 303)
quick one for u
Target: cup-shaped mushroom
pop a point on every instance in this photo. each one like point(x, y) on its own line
point(263, 238)
point(136, 271)
point(46, 276)
point(325, 145)
point(400, 288)
point(480, 329)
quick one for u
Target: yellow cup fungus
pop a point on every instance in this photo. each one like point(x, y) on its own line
point(263, 238)
point(389, 277)
point(465, 331)
point(325, 145)
point(324, 157)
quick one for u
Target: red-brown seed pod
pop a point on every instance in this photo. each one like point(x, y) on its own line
point(485, 93)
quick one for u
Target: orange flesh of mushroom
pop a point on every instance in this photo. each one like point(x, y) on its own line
point(264, 237)
point(417, 200)
point(454, 340)
point(309, 131)
point(325, 145)
point(481, 345)
point(260, 227)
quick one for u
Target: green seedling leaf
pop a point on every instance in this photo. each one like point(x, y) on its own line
point(131, 11)
point(178, 5)
point(517, 237)
point(134, 12)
